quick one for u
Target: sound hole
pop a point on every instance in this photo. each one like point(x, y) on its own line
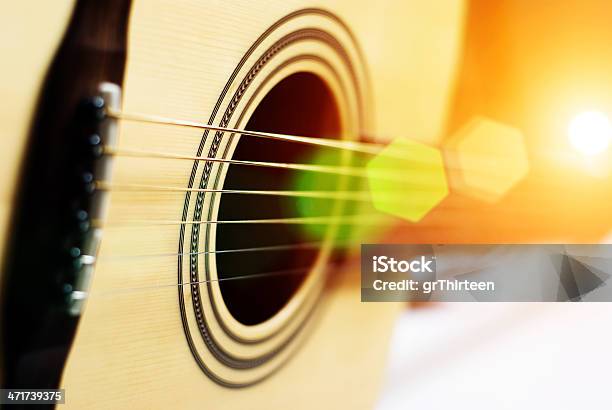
point(301, 104)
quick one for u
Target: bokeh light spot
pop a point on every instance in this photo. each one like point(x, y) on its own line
point(590, 132)
point(486, 159)
point(407, 179)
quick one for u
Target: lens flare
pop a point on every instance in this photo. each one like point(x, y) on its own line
point(590, 132)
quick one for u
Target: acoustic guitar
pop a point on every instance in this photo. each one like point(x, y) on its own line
point(181, 203)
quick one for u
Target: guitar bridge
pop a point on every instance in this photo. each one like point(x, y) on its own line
point(88, 203)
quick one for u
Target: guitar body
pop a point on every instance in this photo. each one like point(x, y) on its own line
point(159, 329)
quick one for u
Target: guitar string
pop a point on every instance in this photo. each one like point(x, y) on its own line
point(387, 174)
point(366, 195)
point(105, 186)
point(373, 219)
point(369, 148)
point(363, 196)
point(363, 147)
point(285, 272)
point(351, 171)
point(356, 219)
point(419, 183)
point(356, 195)
point(354, 146)
point(327, 169)
point(360, 171)
point(345, 219)
point(272, 248)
